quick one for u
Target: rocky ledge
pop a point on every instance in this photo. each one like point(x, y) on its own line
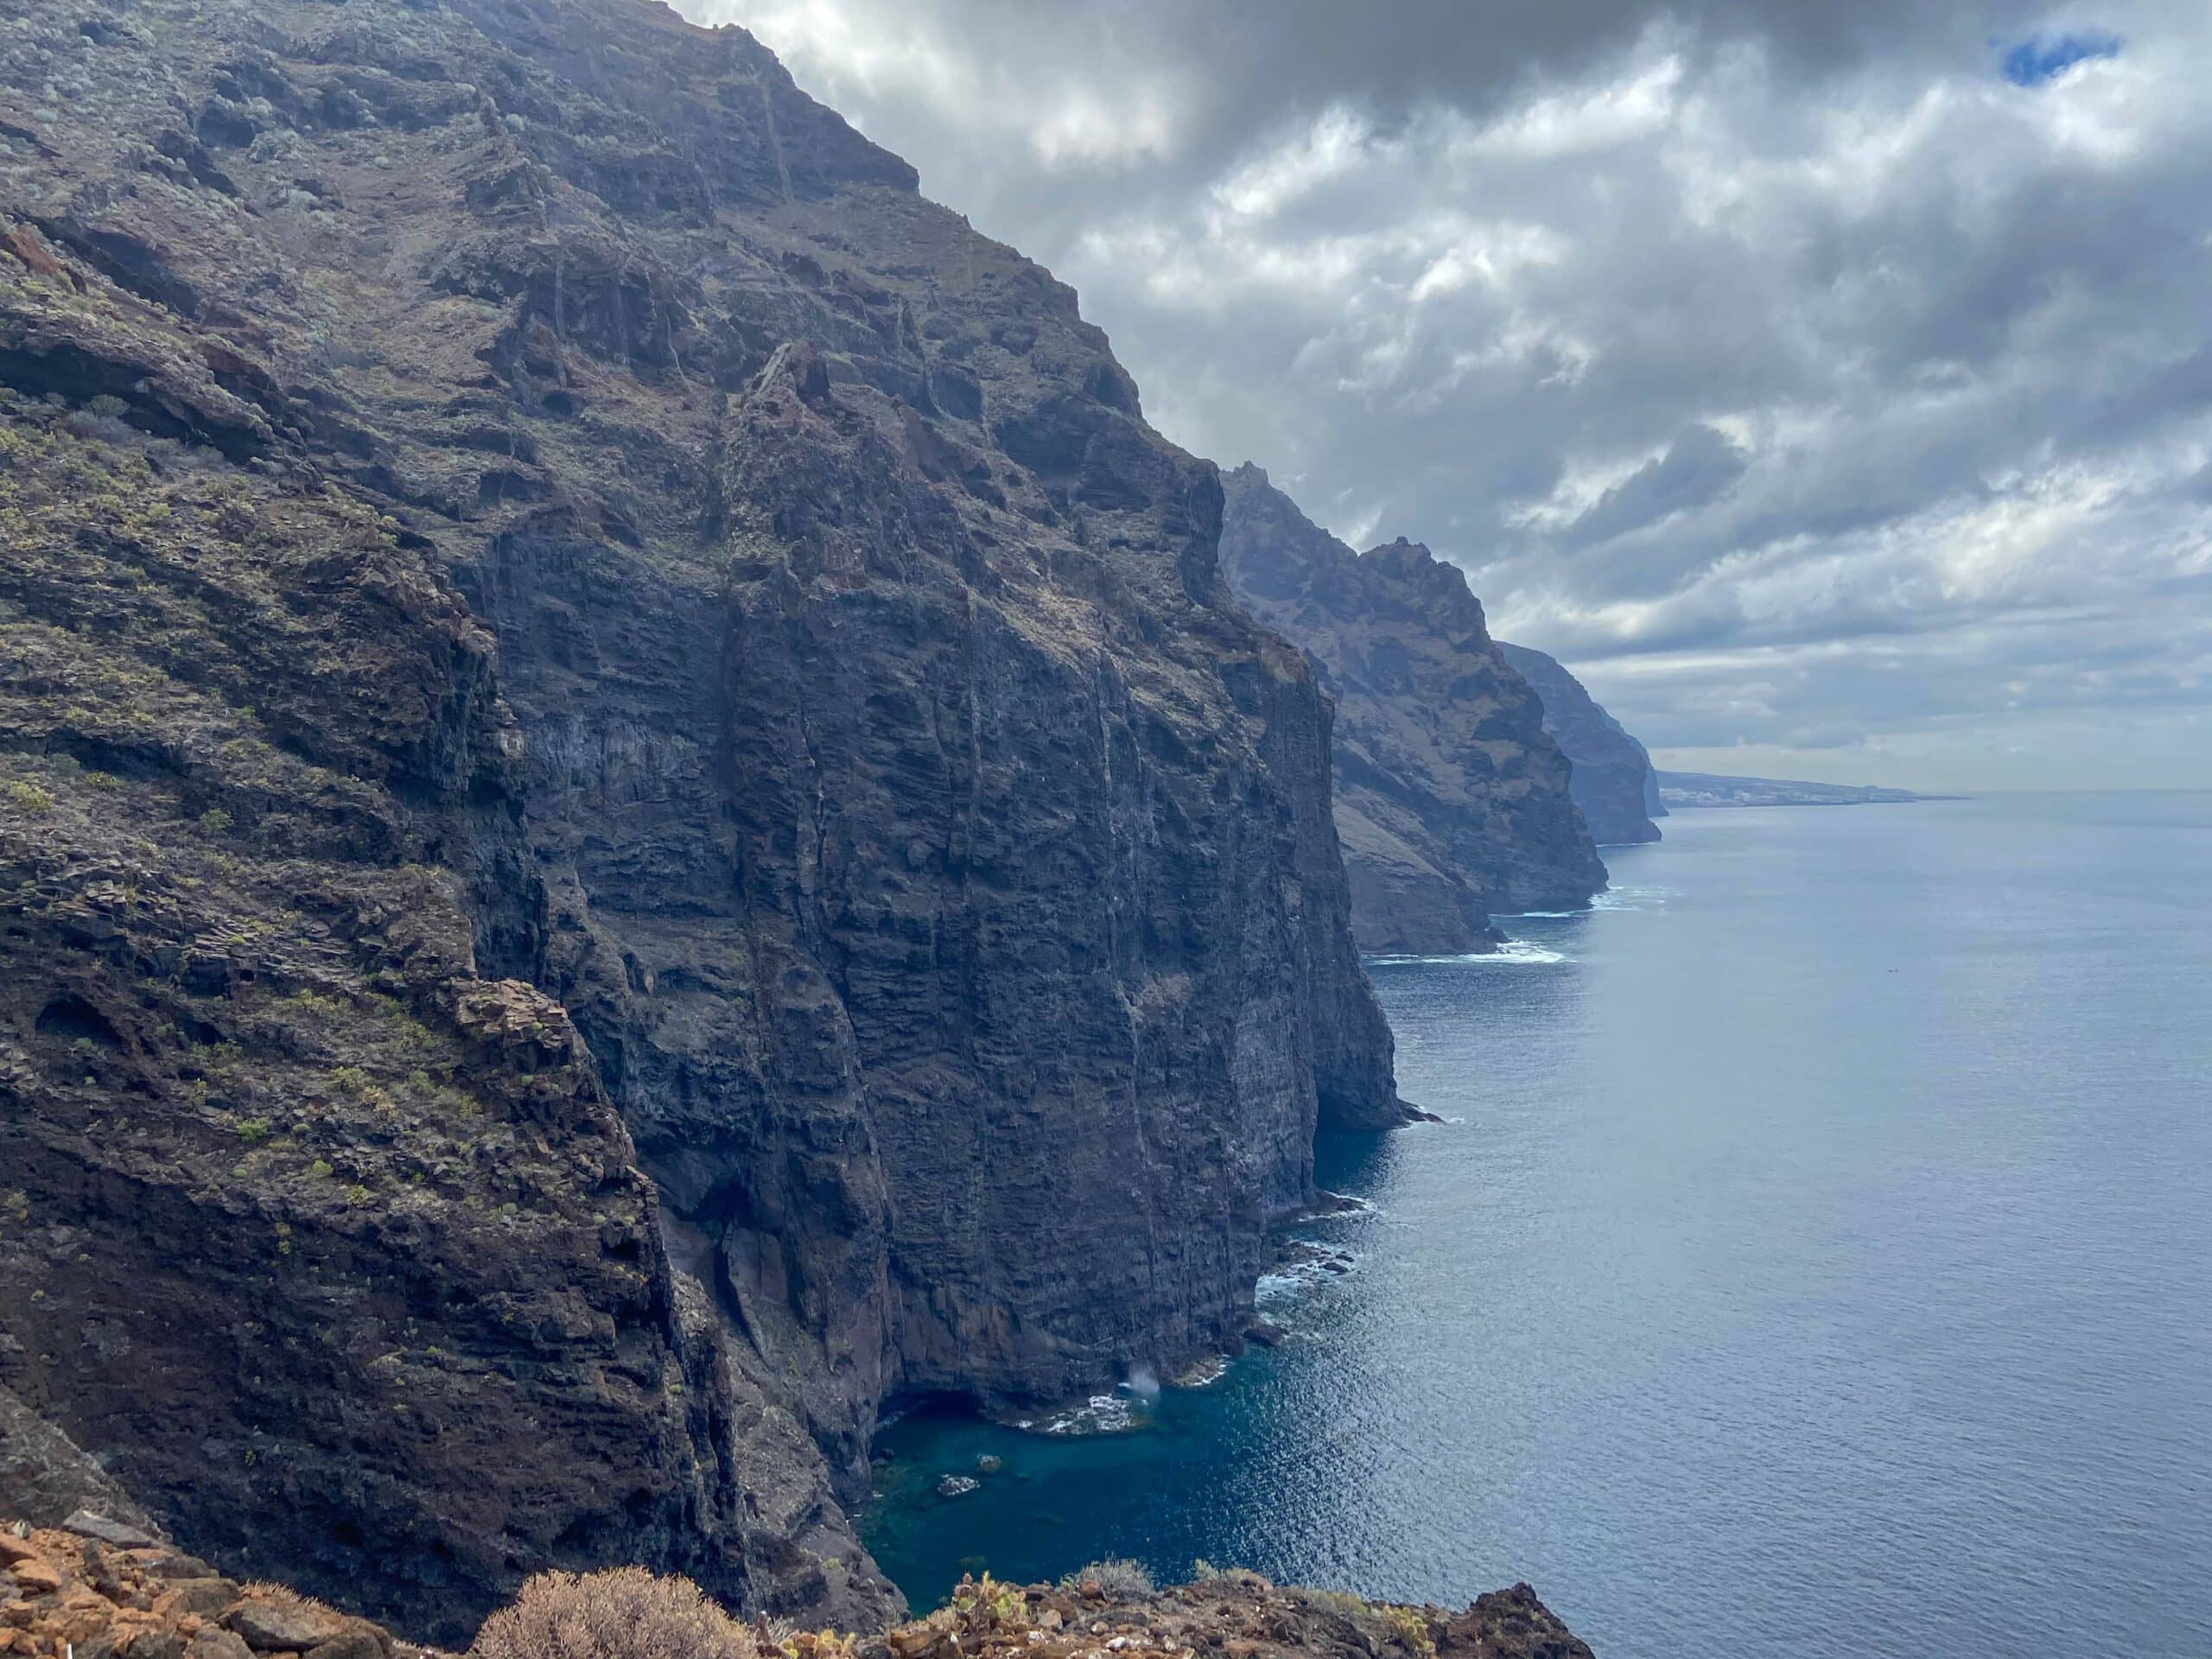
point(1227, 1615)
point(100, 1589)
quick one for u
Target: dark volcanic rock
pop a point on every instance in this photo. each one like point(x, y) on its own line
point(1613, 780)
point(556, 614)
point(1451, 802)
point(46, 1480)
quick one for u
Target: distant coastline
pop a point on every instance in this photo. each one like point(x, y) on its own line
point(1690, 789)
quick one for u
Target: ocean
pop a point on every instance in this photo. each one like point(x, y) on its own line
point(1817, 1260)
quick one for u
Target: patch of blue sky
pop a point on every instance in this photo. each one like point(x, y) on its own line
point(2041, 58)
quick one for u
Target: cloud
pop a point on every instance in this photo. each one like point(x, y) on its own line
point(1797, 368)
point(1697, 469)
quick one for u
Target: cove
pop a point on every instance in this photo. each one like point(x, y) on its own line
point(1821, 1243)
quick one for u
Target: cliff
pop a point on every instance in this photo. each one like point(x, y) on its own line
point(1612, 781)
point(635, 817)
point(1451, 801)
point(103, 1591)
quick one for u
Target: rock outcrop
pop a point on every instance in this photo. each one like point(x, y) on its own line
point(1613, 780)
point(1451, 801)
point(1228, 1615)
point(99, 1589)
point(594, 695)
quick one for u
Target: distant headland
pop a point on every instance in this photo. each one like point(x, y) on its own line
point(1695, 789)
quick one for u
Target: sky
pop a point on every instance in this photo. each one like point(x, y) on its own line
point(1828, 383)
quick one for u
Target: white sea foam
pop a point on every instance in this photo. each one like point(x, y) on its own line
point(1632, 899)
point(1511, 950)
point(1526, 950)
point(1316, 1264)
point(1102, 1413)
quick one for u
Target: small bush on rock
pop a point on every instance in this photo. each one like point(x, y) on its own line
point(626, 1613)
point(1119, 1578)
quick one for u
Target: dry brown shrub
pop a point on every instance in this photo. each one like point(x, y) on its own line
point(626, 1613)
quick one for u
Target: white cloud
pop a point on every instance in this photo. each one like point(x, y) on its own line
point(851, 52)
point(1333, 146)
point(1638, 104)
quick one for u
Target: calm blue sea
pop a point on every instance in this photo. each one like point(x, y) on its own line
point(1818, 1261)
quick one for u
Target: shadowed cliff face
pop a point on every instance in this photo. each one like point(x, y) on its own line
point(1451, 800)
point(1613, 780)
point(557, 612)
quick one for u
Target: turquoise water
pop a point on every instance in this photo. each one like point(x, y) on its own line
point(1820, 1263)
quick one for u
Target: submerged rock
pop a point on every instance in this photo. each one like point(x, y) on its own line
point(956, 1485)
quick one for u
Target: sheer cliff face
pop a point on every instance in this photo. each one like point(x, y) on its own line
point(324, 1246)
point(1613, 780)
point(1451, 799)
point(557, 614)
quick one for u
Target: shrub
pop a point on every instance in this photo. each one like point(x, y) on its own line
point(626, 1613)
point(1119, 1578)
point(1342, 1601)
point(30, 797)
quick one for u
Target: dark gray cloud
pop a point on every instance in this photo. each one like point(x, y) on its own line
point(1698, 468)
point(1826, 382)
